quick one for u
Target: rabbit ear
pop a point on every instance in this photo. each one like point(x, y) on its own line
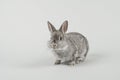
point(51, 27)
point(64, 26)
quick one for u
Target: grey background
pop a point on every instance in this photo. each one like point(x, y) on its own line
point(24, 34)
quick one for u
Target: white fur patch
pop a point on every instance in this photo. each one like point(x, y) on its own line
point(64, 48)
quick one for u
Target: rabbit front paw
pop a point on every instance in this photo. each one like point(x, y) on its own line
point(57, 62)
point(70, 62)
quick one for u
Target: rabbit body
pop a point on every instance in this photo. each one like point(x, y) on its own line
point(68, 48)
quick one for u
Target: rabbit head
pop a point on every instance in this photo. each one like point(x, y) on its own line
point(57, 39)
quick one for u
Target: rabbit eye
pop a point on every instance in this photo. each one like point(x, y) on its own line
point(60, 38)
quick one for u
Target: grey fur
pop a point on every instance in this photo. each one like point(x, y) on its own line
point(68, 48)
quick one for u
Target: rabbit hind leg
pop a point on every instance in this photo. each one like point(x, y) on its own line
point(80, 57)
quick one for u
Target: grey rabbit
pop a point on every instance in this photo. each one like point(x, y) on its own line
point(68, 48)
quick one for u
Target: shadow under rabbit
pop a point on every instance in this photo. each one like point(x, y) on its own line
point(94, 59)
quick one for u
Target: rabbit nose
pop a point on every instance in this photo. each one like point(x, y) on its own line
point(54, 41)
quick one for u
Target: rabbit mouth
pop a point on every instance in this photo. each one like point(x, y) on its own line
point(54, 46)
